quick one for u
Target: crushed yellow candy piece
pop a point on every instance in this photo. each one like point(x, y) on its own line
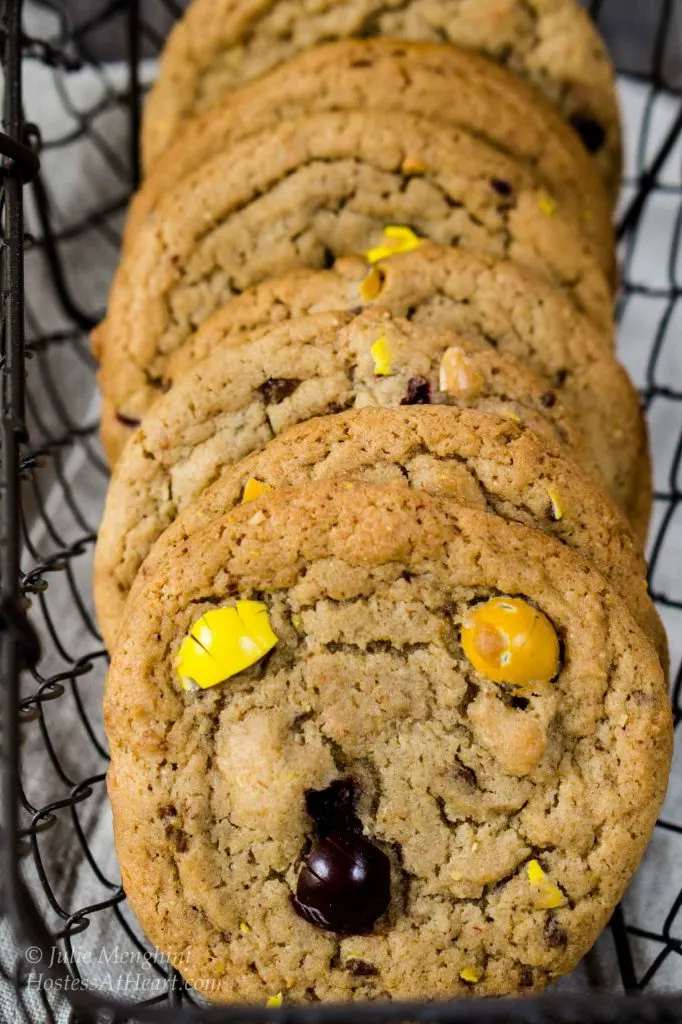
point(255, 489)
point(274, 1002)
point(381, 354)
point(474, 846)
point(412, 165)
point(557, 507)
point(622, 721)
point(548, 204)
point(224, 642)
point(456, 876)
point(535, 872)
point(549, 896)
point(509, 641)
point(243, 927)
point(471, 974)
point(371, 287)
point(459, 376)
point(396, 239)
point(513, 417)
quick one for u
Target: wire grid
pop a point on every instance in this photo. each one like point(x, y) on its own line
point(71, 250)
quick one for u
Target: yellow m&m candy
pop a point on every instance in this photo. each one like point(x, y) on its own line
point(509, 641)
point(224, 642)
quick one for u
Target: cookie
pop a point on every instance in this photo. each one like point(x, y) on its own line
point(481, 298)
point(244, 394)
point(314, 189)
point(369, 810)
point(464, 454)
point(452, 86)
point(221, 44)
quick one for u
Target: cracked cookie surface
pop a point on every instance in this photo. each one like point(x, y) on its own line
point(485, 803)
point(470, 456)
point(485, 299)
point(220, 44)
point(312, 190)
point(245, 393)
point(452, 86)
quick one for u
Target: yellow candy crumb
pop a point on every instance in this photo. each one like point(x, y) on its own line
point(513, 417)
point(243, 927)
point(557, 507)
point(471, 974)
point(224, 642)
point(254, 489)
point(274, 1002)
point(371, 287)
point(474, 846)
point(535, 873)
point(396, 239)
point(381, 354)
point(622, 721)
point(509, 641)
point(459, 376)
point(547, 204)
point(456, 876)
point(412, 165)
point(549, 896)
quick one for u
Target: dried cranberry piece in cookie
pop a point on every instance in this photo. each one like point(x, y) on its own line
point(503, 188)
point(418, 392)
point(276, 389)
point(344, 885)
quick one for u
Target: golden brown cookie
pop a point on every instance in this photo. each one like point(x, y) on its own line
point(372, 809)
point(221, 44)
point(452, 86)
point(246, 393)
point(310, 191)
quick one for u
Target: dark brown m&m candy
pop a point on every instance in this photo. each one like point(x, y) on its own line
point(344, 885)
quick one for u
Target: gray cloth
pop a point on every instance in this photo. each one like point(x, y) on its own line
point(86, 173)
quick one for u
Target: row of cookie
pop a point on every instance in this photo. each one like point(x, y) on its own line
point(311, 163)
point(386, 707)
point(254, 368)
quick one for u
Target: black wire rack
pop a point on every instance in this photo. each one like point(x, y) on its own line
point(77, 953)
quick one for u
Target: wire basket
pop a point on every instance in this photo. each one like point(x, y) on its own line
point(78, 952)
